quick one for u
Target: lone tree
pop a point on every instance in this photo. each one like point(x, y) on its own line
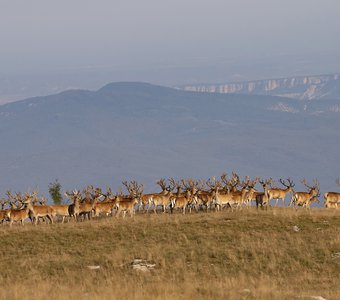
point(54, 190)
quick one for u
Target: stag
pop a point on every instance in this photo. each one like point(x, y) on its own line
point(162, 198)
point(281, 193)
point(181, 199)
point(73, 209)
point(304, 199)
point(262, 199)
point(124, 204)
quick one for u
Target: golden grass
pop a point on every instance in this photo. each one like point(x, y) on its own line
point(246, 254)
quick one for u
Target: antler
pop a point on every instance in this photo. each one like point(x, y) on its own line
point(266, 182)
point(135, 190)
point(128, 186)
point(304, 182)
point(162, 183)
point(201, 185)
point(174, 184)
point(225, 179)
point(290, 183)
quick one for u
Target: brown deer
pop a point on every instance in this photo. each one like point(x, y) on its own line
point(38, 211)
point(162, 198)
point(3, 211)
point(16, 214)
point(262, 199)
point(73, 209)
point(281, 193)
point(304, 199)
point(332, 199)
point(183, 200)
point(124, 204)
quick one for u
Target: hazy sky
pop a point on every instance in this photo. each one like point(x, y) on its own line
point(47, 35)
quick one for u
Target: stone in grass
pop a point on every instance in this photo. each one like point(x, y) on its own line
point(142, 265)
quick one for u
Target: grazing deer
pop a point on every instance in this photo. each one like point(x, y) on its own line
point(304, 199)
point(332, 199)
point(277, 193)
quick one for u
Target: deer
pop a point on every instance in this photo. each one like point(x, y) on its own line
point(124, 204)
point(245, 195)
point(38, 211)
point(332, 199)
point(73, 209)
point(262, 199)
point(61, 210)
point(3, 211)
point(147, 199)
point(162, 198)
point(14, 213)
point(281, 193)
point(203, 196)
point(304, 199)
point(182, 199)
point(221, 198)
point(106, 206)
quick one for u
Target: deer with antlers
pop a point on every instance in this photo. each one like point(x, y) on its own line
point(162, 198)
point(262, 199)
point(18, 211)
point(281, 193)
point(106, 206)
point(183, 200)
point(332, 199)
point(124, 204)
point(246, 194)
point(38, 211)
point(73, 209)
point(203, 196)
point(221, 198)
point(148, 199)
point(305, 199)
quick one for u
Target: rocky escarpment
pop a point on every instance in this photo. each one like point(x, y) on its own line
point(303, 87)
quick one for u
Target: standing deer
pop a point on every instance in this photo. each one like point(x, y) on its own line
point(162, 198)
point(262, 199)
point(304, 199)
point(38, 211)
point(73, 209)
point(277, 193)
point(126, 204)
point(332, 199)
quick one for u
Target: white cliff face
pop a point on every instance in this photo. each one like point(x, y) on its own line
point(304, 87)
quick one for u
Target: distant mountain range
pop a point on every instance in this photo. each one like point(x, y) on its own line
point(301, 87)
point(127, 131)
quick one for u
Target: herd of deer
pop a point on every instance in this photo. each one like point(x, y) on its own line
point(180, 195)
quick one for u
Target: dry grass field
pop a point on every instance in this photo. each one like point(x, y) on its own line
point(281, 253)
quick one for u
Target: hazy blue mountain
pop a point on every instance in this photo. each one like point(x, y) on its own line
point(145, 132)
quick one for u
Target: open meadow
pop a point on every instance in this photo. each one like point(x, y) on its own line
point(281, 253)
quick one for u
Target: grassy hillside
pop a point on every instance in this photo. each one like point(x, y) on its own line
point(246, 254)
